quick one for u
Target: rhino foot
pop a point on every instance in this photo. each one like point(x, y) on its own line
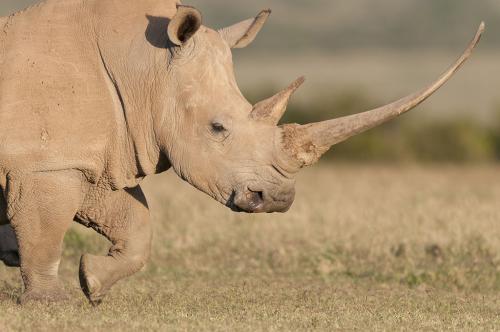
point(10, 258)
point(91, 286)
point(55, 295)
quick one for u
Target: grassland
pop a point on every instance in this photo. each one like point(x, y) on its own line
point(364, 248)
point(378, 248)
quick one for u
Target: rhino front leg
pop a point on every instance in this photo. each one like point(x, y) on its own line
point(41, 208)
point(124, 220)
point(9, 251)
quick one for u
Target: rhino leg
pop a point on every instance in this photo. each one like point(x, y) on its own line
point(41, 208)
point(124, 220)
point(9, 251)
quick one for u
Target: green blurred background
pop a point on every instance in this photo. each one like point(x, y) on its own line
point(359, 54)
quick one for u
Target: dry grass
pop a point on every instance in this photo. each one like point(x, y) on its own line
point(373, 248)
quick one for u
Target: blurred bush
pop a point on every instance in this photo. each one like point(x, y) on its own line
point(461, 139)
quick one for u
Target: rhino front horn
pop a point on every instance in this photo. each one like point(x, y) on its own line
point(305, 144)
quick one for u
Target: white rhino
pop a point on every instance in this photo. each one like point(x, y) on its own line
point(97, 94)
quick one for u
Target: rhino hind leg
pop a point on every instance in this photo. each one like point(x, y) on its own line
point(10, 258)
point(9, 253)
point(41, 208)
point(125, 222)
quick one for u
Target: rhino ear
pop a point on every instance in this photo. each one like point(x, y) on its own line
point(242, 34)
point(184, 25)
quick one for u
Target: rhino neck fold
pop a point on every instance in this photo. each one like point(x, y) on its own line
point(134, 153)
point(128, 63)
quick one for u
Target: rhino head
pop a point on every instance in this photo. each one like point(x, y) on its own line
point(234, 151)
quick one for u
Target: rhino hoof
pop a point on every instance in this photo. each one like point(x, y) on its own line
point(90, 285)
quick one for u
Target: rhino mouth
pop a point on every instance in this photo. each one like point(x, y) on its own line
point(257, 201)
point(232, 205)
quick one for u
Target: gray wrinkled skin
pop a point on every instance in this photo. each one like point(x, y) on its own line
point(98, 94)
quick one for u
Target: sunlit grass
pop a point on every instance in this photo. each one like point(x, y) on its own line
point(363, 248)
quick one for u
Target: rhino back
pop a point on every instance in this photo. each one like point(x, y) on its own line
point(55, 106)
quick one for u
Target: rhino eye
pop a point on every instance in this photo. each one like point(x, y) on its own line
point(218, 127)
point(219, 132)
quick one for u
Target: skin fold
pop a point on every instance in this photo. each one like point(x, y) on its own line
point(95, 95)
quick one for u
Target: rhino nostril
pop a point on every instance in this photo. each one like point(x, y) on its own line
point(259, 194)
point(255, 198)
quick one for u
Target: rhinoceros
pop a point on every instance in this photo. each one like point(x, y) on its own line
point(95, 95)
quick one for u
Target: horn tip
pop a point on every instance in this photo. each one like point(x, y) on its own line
point(482, 27)
point(266, 12)
point(298, 82)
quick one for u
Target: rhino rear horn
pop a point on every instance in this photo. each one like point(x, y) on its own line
point(305, 144)
point(272, 109)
